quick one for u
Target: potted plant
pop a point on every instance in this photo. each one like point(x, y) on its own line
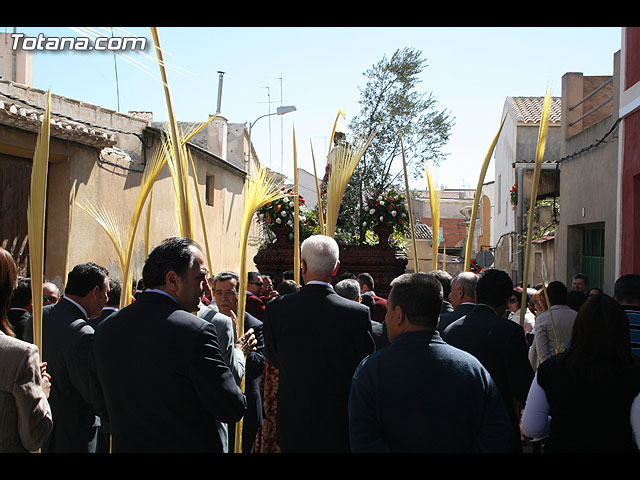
point(514, 195)
point(386, 213)
point(277, 217)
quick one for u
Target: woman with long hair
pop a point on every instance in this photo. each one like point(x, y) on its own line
point(8, 282)
point(25, 414)
point(587, 398)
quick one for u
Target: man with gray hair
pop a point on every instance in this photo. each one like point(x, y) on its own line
point(316, 339)
point(462, 298)
point(349, 288)
point(392, 406)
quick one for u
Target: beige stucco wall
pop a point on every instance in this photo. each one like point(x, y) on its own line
point(23, 61)
point(588, 183)
point(116, 190)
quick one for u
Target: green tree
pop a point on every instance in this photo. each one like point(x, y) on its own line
point(391, 102)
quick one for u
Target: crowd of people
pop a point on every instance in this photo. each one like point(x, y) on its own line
point(469, 363)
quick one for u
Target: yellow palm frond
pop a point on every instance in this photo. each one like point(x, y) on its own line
point(434, 202)
point(320, 207)
point(476, 198)
point(36, 215)
point(342, 167)
point(296, 214)
point(151, 172)
point(260, 189)
point(176, 153)
point(542, 140)
point(147, 226)
point(113, 224)
point(335, 126)
point(201, 210)
point(408, 193)
point(72, 202)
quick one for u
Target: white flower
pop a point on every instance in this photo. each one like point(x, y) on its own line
point(381, 218)
point(278, 220)
point(379, 197)
point(364, 224)
point(289, 223)
point(394, 213)
point(381, 202)
point(404, 214)
point(303, 219)
point(283, 213)
point(291, 204)
point(372, 211)
point(261, 216)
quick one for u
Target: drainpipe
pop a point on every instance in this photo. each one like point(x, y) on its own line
point(519, 222)
point(218, 109)
point(13, 60)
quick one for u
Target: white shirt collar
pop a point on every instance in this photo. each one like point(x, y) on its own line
point(369, 292)
point(86, 316)
point(157, 290)
point(318, 282)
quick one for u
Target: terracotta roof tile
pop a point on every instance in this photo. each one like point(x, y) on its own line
point(31, 119)
point(529, 109)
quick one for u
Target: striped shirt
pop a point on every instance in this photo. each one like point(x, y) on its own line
point(633, 314)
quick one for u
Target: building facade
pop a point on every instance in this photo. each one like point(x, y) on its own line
point(628, 214)
point(98, 156)
point(514, 163)
point(586, 234)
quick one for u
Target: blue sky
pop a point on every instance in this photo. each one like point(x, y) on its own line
point(470, 72)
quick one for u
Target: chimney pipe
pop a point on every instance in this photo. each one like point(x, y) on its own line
point(218, 109)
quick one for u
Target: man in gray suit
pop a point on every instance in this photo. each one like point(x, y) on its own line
point(233, 350)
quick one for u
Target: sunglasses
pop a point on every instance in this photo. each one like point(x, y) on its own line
point(513, 300)
point(257, 283)
point(50, 299)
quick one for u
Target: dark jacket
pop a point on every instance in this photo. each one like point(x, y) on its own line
point(501, 347)
point(163, 378)
point(316, 339)
point(421, 395)
point(448, 318)
point(66, 344)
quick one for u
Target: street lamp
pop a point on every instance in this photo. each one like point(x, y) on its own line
point(279, 111)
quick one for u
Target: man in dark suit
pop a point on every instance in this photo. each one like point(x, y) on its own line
point(393, 408)
point(112, 305)
point(365, 280)
point(254, 305)
point(315, 338)
point(462, 298)
point(21, 307)
point(350, 289)
point(445, 280)
point(159, 367)
point(498, 343)
point(66, 344)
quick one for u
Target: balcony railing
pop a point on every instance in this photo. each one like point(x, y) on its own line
point(594, 108)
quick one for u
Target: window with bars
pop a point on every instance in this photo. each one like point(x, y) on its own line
point(593, 255)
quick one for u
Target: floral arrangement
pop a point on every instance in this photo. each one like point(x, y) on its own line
point(281, 212)
point(514, 195)
point(387, 209)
